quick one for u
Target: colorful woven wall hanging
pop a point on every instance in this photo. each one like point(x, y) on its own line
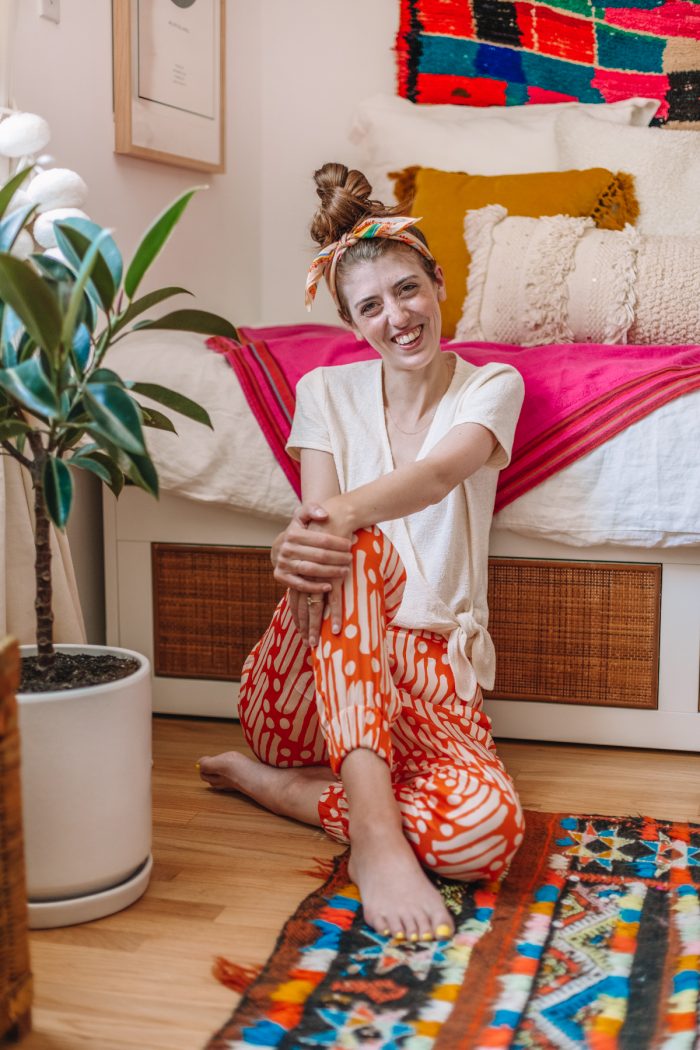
point(511, 52)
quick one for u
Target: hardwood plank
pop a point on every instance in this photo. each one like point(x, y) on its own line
point(227, 875)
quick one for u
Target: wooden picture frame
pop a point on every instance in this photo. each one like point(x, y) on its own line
point(169, 76)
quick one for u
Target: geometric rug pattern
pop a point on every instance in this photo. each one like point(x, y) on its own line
point(591, 940)
point(511, 52)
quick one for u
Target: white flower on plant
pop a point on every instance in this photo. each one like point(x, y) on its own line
point(20, 199)
point(56, 193)
point(44, 233)
point(23, 246)
point(23, 135)
point(57, 188)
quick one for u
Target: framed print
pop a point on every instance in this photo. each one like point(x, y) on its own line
point(169, 71)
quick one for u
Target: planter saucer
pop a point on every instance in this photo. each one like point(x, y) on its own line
point(45, 915)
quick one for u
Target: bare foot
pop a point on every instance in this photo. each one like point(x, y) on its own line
point(229, 771)
point(397, 896)
point(289, 792)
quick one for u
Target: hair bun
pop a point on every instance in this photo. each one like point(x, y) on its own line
point(345, 200)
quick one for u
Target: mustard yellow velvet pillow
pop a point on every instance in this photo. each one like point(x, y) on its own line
point(442, 198)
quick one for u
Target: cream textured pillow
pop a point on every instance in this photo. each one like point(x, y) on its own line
point(665, 166)
point(559, 279)
point(394, 133)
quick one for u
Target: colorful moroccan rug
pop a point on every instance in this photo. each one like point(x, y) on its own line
point(509, 52)
point(592, 940)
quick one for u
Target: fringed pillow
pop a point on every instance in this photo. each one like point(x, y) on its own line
point(558, 279)
point(443, 197)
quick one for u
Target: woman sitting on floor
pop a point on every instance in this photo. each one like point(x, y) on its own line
point(363, 698)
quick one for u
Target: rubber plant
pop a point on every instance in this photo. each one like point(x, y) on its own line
point(61, 408)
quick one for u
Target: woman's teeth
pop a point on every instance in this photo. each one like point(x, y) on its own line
point(408, 337)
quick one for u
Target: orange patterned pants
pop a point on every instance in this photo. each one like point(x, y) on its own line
point(391, 690)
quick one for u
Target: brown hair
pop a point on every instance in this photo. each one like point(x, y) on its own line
point(345, 196)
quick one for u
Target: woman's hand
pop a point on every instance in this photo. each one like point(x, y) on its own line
point(312, 564)
point(308, 560)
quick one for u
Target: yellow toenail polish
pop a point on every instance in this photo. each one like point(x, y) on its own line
point(400, 936)
point(386, 933)
point(443, 931)
point(197, 766)
point(426, 936)
point(413, 937)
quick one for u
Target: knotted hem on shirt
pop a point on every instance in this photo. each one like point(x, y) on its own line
point(471, 654)
point(357, 726)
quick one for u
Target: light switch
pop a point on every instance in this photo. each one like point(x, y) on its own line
point(50, 9)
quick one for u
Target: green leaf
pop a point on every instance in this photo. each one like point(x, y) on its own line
point(153, 240)
point(9, 331)
point(116, 415)
point(142, 472)
point(106, 375)
point(32, 300)
point(87, 269)
point(58, 490)
point(139, 306)
point(28, 384)
point(192, 321)
point(11, 225)
point(153, 418)
point(80, 348)
point(171, 399)
point(55, 269)
point(8, 191)
point(102, 465)
point(109, 251)
point(10, 428)
point(77, 239)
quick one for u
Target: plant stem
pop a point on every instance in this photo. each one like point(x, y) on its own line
point(42, 565)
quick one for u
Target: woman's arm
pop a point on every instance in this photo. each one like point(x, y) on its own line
point(312, 563)
point(413, 486)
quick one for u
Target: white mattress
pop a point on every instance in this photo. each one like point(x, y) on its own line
point(640, 489)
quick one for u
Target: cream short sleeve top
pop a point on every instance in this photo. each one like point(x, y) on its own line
point(444, 548)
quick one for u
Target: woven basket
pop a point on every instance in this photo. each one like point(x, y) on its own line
point(15, 975)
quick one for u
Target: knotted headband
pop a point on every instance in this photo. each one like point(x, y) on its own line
point(393, 227)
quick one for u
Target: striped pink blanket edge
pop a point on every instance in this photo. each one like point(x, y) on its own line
point(577, 396)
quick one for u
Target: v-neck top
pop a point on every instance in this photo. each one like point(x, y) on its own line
point(444, 547)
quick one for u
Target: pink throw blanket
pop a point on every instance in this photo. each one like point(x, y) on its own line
point(577, 396)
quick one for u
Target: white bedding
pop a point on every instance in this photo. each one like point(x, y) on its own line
point(641, 489)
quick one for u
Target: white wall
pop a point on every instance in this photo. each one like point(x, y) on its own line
point(296, 69)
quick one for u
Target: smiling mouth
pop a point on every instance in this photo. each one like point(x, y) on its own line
point(409, 338)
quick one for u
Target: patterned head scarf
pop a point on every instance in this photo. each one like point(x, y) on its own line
point(393, 227)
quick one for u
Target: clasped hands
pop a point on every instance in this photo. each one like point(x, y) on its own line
point(311, 557)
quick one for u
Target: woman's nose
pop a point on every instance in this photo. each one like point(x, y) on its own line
point(397, 313)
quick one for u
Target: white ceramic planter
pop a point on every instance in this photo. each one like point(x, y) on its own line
point(86, 795)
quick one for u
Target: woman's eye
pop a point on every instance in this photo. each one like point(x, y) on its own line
point(408, 288)
point(369, 308)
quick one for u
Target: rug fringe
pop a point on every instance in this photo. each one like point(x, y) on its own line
point(322, 868)
point(233, 975)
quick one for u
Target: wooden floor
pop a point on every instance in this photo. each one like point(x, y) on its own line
point(227, 874)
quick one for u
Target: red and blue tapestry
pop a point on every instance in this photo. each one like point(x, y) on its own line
point(513, 52)
point(591, 941)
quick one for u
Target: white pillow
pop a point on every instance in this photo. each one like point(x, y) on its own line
point(665, 165)
point(559, 279)
point(394, 133)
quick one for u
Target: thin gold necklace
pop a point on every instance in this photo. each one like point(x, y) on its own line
point(411, 433)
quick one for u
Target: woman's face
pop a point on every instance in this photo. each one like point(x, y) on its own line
point(395, 306)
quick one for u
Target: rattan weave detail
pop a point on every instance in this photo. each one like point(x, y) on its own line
point(210, 607)
point(575, 632)
point(565, 632)
point(15, 974)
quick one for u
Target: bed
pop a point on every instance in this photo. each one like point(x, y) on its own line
point(544, 193)
point(594, 575)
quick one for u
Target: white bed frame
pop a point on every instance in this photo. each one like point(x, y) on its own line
point(136, 521)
